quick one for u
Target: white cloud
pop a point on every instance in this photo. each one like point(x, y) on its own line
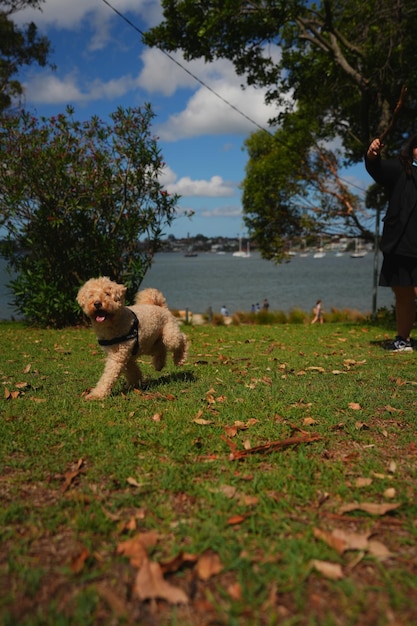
point(222, 211)
point(70, 14)
point(215, 187)
point(49, 89)
point(206, 114)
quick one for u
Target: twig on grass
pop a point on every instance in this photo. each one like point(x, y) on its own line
point(282, 444)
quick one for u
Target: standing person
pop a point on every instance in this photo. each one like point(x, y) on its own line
point(399, 236)
point(318, 313)
point(265, 304)
point(224, 311)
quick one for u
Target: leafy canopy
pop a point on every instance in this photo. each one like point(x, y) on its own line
point(342, 61)
point(77, 197)
point(334, 69)
point(18, 47)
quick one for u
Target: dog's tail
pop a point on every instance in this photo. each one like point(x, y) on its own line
point(151, 296)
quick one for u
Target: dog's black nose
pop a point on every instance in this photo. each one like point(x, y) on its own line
point(97, 304)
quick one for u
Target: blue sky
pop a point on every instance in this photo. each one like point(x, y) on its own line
point(102, 64)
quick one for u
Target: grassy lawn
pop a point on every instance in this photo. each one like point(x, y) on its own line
point(189, 503)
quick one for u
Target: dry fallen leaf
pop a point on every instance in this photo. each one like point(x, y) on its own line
point(208, 565)
point(378, 550)
point(72, 475)
point(150, 584)
point(369, 507)
point(363, 482)
point(342, 541)
point(329, 570)
point(133, 482)
point(78, 560)
point(136, 548)
point(355, 406)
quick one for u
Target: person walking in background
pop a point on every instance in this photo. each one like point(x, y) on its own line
point(399, 236)
point(224, 311)
point(318, 313)
point(265, 305)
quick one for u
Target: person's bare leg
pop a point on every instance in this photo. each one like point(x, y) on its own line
point(405, 309)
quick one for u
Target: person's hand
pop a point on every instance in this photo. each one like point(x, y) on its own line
point(374, 149)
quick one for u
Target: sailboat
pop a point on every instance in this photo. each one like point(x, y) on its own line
point(359, 252)
point(320, 254)
point(241, 253)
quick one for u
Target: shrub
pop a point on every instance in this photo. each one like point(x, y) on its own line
point(77, 197)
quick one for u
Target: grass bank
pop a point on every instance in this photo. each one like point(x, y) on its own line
point(271, 480)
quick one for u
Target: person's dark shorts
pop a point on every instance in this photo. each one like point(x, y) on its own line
point(398, 271)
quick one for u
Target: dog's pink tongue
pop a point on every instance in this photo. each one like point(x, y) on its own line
point(100, 318)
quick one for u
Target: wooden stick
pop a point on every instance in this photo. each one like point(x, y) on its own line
point(397, 109)
point(269, 447)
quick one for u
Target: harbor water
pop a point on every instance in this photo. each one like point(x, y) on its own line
point(213, 280)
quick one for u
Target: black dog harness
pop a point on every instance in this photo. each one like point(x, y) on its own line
point(132, 334)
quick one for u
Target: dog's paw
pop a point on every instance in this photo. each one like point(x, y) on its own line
point(92, 395)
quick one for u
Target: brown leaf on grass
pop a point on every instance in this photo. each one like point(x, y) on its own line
point(342, 540)
point(27, 368)
point(136, 548)
point(208, 565)
point(333, 571)
point(78, 560)
point(392, 409)
point(235, 520)
point(370, 507)
point(363, 482)
point(334, 542)
point(269, 447)
point(10, 395)
point(232, 431)
point(355, 406)
point(309, 421)
point(235, 591)
point(133, 482)
point(228, 490)
point(71, 475)
point(182, 559)
point(202, 422)
point(150, 585)
point(22, 385)
point(378, 550)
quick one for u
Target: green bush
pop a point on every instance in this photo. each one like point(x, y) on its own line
point(79, 200)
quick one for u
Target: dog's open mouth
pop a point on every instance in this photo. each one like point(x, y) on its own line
point(100, 316)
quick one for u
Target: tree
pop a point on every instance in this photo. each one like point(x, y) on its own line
point(292, 190)
point(339, 65)
point(343, 61)
point(76, 199)
point(18, 47)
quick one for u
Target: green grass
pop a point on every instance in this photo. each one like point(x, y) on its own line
point(146, 462)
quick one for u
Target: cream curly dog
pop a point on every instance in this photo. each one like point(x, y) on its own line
point(126, 332)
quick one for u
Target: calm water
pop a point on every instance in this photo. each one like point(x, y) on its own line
point(213, 280)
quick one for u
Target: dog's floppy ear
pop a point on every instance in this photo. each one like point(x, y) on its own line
point(119, 293)
point(81, 297)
